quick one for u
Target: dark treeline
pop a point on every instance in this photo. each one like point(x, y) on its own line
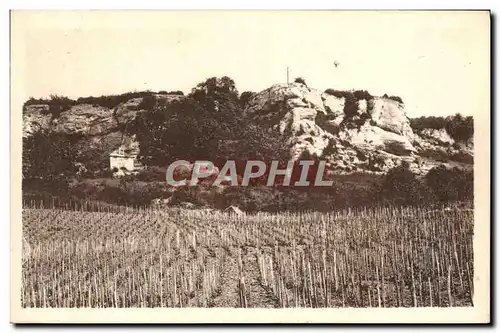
point(58, 104)
point(460, 128)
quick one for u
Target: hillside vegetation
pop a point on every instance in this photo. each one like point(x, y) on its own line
point(374, 153)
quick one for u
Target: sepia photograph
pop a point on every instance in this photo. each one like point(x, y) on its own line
point(250, 166)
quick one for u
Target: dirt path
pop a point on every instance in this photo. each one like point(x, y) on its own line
point(228, 293)
point(258, 297)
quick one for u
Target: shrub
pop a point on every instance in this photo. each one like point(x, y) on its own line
point(450, 184)
point(127, 191)
point(396, 98)
point(187, 194)
point(301, 81)
point(431, 122)
point(139, 193)
point(57, 104)
point(245, 97)
point(251, 199)
point(362, 119)
point(112, 194)
point(323, 121)
point(85, 190)
point(460, 128)
point(148, 103)
point(176, 92)
point(462, 157)
point(152, 173)
point(360, 155)
point(336, 93)
point(350, 104)
point(112, 101)
point(48, 155)
point(106, 173)
point(363, 94)
point(401, 187)
point(436, 155)
point(34, 101)
point(330, 148)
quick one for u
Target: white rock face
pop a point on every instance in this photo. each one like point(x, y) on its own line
point(293, 110)
point(390, 116)
point(36, 117)
point(362, 106)
point(85, 119)
point(310, 119)
point(373, 137)
point(376, 138)
point(334, 106)
point(440, 136)
point(127, 111)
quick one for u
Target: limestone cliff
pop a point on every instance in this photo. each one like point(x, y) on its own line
point(375, 137)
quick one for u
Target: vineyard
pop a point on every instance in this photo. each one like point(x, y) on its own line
point(383, 257)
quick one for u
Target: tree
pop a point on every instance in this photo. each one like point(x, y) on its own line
point(148, 102)
point(49, 161)
point(350, 106)
point(401, 187)
point(179, 130)
point(460, 128)
point(246, 97)
point(214, 87)
point(207, 124)
point(450, 184)
point(219, 98)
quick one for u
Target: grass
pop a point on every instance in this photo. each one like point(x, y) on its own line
point(384, 257)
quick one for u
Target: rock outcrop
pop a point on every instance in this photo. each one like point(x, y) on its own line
point(86, 119)
point(35, 118)
point(293, 111)
point(99, 130)
point(437, 136)
point(374, 138)
point(390, 116)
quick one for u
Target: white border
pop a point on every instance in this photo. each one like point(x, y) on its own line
point(145, 4)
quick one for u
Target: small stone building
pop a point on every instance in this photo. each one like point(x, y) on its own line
point(119, 159)
point(124, 158)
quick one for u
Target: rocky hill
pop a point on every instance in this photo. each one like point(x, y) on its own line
point(373, 136)
point(97, 127)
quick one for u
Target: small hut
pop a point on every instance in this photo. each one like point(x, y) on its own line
point(234, 210)
point(125, 156)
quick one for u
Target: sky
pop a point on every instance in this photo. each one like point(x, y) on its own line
point(437, 62)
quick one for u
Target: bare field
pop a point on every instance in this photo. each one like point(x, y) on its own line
point(384, 257)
